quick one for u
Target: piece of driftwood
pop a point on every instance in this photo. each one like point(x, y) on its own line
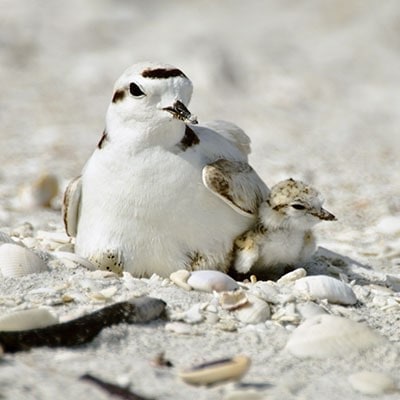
point(82, 330)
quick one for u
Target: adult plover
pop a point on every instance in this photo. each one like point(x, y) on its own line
point(160, 192)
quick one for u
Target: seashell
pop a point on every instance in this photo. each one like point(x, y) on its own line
point(309, 310)
point(372, 383)
point(254, 312)
point(180, 278)
point(209, 280)
point(4, 238)
point(325, 287)
point(75, 258)
point(17, 261)
point(53, 236)
point(292, 276)
point(193, 314)
point(265, 291)
point(287, 314)
point(40, 193)
point(27, 319)
point(23, 231)
point(105, 294)
point(217, 371)
point(325, 336)
point(233, 299)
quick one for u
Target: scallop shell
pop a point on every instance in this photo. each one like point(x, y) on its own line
point(372, 383)
point(208, 281)
point(217, 371)
point(325, 287)
point(4, 238)
point(27, 319)
point(16, 261)
point(254, 312)
point(325, 336)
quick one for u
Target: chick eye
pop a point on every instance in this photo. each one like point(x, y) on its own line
point(298, 206)
point(135, 90)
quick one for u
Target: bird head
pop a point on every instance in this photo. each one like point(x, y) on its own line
point(294, 204)
point(151, 95)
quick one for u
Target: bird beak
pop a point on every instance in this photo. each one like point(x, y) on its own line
point(179, 111)
point(324, 215)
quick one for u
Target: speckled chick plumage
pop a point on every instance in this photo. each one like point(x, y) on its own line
point(283, 234)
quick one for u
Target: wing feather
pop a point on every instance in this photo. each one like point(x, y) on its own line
point(237, 184)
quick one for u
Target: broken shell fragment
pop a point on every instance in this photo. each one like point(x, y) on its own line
point(180, 278)
point(325, 287)
point(17, 261)
point(292, 276)
point(217, 371)
point(254, 311)
point(209, 280)
point(27, 319)
point(233, 299)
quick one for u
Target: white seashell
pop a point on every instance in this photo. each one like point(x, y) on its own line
point(105, 294)
point(254, 312)
point(192, 316)
point(325, 287)
point(217, 371)
point(52, 236)
point(292, 276)
point(27, 319)
point(309, 310)
point(372, 383)
point(40, 193)
point(180, 278)
point(17, 261)
point(75, 258)
point(233, 299)
point(325, 336)
point(287, 314)
point(265, 291)
point(208, 281)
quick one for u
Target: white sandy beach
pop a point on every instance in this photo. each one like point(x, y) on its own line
point(314, 84)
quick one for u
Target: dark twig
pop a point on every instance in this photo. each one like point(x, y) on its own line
point(115, 390)
point(83, 329)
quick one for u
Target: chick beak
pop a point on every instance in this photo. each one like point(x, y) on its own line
point(324, 215)
point(179, 111)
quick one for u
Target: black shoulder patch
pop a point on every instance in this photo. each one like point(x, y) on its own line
point(103, 140)
point(118, 96)
point(189, 139)
point(162, 73)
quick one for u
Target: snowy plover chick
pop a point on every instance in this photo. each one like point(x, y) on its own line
point(283, 235)
point(152, 197)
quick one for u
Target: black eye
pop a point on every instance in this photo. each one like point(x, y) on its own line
point(298, 206)
point(135, 90)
